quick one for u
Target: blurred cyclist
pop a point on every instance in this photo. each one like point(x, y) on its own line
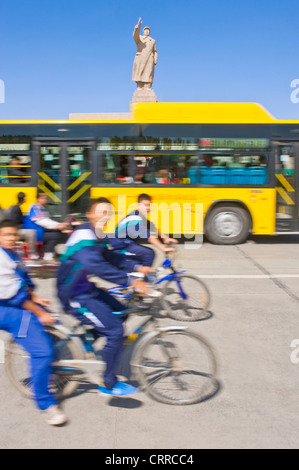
point(136, 229)
point(28, 235)
point(47, 230)
point(22, 314)
point(87, 254)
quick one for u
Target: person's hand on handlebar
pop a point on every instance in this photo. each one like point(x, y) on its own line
point(64, 226)
point(140, 286)
point(46, 318)
point(165, 246)
point(169, 241)
point(145, 270)
point(168, 249)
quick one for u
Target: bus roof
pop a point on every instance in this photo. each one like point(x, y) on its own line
point(178, 113)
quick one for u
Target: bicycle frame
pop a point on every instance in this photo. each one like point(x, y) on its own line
point(91, 368)
point(173, 276)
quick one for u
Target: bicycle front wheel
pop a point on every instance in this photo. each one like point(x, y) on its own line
point(176, 366)
point(186, 299)
point(62, 383)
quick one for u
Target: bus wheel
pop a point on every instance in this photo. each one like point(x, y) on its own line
point(227, 225)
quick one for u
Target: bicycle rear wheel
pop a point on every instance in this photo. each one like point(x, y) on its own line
point(176, 366)
point(189, 302)
point(17, 363)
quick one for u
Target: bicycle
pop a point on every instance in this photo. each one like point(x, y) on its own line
point(173, 364)
point(184, 296)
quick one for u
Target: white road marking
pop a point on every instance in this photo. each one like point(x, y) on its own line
point(247, 276)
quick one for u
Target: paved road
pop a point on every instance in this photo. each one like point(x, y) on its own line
point(255, 317)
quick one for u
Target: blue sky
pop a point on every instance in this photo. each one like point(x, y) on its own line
point(68, 56)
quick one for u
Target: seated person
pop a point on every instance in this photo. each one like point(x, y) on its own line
point(207, 160)
point(22, 314)
point(47, 230)
point(162, 177)
point(86, 255)
point(15, 171)
point(262, 161)
point(139, 176)
point(135, 229)
point(28, 235)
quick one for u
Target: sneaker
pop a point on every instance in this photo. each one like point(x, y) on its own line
point(54, 416)
point(154, 293)
point(120, 389)
point(48, 256)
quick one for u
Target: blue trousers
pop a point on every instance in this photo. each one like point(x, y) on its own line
point(96, 310)
point(31, 335)
point(142, 254)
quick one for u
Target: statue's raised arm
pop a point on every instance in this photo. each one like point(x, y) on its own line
point(136, 32)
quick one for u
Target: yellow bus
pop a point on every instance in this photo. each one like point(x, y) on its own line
point(234, 160)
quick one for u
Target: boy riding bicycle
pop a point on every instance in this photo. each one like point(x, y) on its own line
point(23, 315)
point(87, 254)
point(135, 229)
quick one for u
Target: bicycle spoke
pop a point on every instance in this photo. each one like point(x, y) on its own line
point(188, 374)
point(195, 304)
point(18, 366)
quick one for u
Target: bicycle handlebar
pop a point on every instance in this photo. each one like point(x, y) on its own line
point(137, 275)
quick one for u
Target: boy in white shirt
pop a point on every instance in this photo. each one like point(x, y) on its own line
point(24, 316)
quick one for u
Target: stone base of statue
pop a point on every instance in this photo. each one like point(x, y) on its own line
point(144, 95)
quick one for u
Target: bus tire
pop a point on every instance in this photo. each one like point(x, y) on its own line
point(228, 225)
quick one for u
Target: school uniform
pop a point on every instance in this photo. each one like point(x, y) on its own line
point(24, 326)
point(86, 255)
point(130, 233)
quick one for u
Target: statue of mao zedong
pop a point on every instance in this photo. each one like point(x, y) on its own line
point(146, 57)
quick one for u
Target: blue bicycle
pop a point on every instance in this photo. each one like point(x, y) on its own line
point(172, 363)
point(183, 296)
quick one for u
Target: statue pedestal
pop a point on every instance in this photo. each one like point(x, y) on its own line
point(144, 95)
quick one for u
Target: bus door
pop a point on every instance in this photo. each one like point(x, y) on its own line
point(64, 174)
point(286, 177)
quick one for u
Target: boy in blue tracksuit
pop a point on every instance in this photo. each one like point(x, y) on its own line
point(22, 314)
point(136, 229)
point(87, 254)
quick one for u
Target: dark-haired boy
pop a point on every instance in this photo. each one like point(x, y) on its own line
point(23, 315)
point(87, 255)
point(135, 229)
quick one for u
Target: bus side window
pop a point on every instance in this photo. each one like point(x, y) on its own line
point(3, 175)
point(114, 169)
point(15, 169)
point(232, 169)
